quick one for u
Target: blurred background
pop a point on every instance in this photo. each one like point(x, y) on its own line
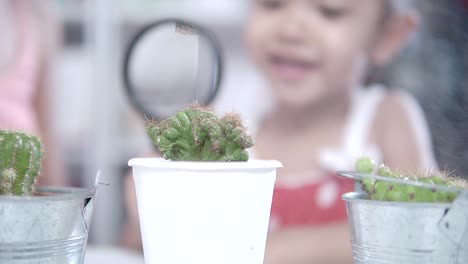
point(97, 129)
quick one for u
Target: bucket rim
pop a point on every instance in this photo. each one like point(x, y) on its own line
point(362, 198)
point(356, 176)
point(160, 163)
point(50, 193)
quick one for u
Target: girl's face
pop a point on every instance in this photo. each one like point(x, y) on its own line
point(309, 49)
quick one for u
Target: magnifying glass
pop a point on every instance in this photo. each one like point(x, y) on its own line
point(169, 65)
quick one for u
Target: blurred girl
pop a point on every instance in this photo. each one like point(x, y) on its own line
point(317, 56)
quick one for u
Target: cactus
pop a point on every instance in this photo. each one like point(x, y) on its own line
point(397, 192)
point(20, 163)
point(197, 134)
point(365, 165)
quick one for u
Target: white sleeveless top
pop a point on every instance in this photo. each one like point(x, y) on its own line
point(355, 138)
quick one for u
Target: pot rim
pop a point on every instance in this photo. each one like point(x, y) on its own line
point(362, 198)
point(53, 194)
point(360, 176)
point(161, 163)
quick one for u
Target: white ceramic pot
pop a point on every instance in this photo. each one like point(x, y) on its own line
point(204, 212)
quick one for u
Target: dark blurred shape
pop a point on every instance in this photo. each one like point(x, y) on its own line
point(73, 33)
point(186, 66)
point(435, 70)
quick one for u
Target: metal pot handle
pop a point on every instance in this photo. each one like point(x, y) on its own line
point(87, 211)
point(454, 224)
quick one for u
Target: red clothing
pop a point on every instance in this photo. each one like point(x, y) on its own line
point(318, 203)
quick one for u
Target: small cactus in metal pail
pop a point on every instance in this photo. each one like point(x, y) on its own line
point(400, 192)
point(20, 163)
point(197, 134)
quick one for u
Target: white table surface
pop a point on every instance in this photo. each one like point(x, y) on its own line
point(111, 255)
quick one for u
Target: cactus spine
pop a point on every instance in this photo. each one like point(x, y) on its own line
point(197, 134)
point(20, 163)
point(396, 192)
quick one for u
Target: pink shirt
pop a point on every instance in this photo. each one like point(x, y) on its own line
point(18, 82)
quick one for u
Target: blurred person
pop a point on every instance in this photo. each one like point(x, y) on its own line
point(29, 33)
point(318, 58)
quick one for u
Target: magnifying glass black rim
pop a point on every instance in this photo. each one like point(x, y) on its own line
point(130, 89)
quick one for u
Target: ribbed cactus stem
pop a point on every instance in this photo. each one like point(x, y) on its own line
point(400, 192)
point(197, 134)
point(20, 162)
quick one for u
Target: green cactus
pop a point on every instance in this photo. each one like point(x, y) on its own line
point(365, 165)
point(20, 163)
point(197, 134)
point(389, 191)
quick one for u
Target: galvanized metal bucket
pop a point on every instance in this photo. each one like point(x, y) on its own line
point(407, 233)
point(50, 228)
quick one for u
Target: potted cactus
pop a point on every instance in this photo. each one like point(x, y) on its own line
point(398, 217)
point(204, 201)
point(20, 163)
point(44, 225)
